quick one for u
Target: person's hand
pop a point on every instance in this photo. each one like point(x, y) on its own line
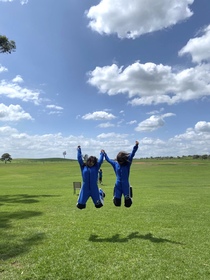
point(137, 142)
point(102, 151)
point(78, 147)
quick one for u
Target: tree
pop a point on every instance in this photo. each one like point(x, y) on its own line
point(6, 46)
point(64, 154)
point(6, 157)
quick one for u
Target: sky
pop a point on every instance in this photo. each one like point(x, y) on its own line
point(103, 74)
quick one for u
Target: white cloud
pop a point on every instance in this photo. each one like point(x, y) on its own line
point(22, 2)
point(98, 115)
point(198, 47)
point(13, 113)
point(23, 145)
point(151, 83)
point(111, 135)
point(17, 79)
point(136, 17)
point(14, 90)
point(202, 126)
point(155, 112)
point(132, 122)
point(3, 69)
point(153, 123)
point(106, 125)
point(59, 108)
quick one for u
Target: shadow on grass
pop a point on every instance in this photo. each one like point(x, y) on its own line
point(133, 235)
point(10, 245)
point(21, 198)
point(15, 248)
point(7, 217)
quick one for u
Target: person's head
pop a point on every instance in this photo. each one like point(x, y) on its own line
point(122, 158)
point(91, 161)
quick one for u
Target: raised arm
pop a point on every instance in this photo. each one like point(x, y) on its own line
point(101, 158)
point(79, 156)
point(132, 154)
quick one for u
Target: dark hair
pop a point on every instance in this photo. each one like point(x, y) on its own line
point(91, 159)
point(122, 158)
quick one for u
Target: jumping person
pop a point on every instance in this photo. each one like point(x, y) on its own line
point(122, 171)
point(89, 170)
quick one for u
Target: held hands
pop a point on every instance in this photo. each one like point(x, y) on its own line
point(137, 142)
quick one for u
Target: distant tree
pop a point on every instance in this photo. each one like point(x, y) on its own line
point(6, 157)
point(64, 154)
point(196, 156)
point(6, 45)
point(204, 156)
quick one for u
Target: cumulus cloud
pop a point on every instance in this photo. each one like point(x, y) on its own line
point(23, 145)
point(13, 113)
point(153, 123)
point(202, 126)
point(98, 115)
point(111, 135)
point(14, 90)
point(136, 17)
point(150, 83)
point(105, 125)
point(22, 2)
point(17, 79)
point(3, 69)
point(193, 141)
point(198, 47)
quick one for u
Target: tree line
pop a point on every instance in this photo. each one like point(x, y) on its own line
point(205, 156)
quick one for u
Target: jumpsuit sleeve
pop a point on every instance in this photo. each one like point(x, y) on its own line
point(132, 154)
point(79, 157)
point(101, 159)
point(112, 162)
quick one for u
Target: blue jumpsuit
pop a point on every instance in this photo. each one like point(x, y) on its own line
point(122, 186)
point(89, 185)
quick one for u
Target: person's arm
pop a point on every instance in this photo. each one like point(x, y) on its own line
point(112, 162)
point(132, 154)
point(79, 156)
point(101, 158)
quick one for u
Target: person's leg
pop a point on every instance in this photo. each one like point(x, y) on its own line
point(131, 191)
point(95, 195)
point(83, 197)
point(128, 201)
point(117, 196)
point(127, 195)
point(102, 194)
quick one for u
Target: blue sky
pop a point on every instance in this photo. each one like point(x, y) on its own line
point(103, 74)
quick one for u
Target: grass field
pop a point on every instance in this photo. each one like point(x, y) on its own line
point(164, 235)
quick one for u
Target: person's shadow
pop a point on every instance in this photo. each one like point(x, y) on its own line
point(133, 235)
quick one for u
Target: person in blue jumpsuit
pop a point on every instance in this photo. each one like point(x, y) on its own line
point(89, 170)
point(121, 168)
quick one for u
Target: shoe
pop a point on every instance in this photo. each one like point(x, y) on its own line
point(99, 204)
point(128, 201)
point(81, 206)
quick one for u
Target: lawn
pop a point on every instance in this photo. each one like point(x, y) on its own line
point(164, 235)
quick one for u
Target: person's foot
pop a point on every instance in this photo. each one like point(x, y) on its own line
point(128, 201)
point(98, 204)
point(81, 206)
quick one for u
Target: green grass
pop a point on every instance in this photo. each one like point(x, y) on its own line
point(164, 235)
